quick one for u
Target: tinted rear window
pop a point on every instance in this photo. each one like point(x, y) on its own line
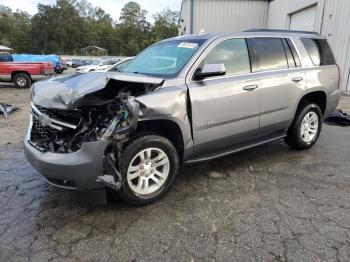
point(267, 54)
point(319, 51)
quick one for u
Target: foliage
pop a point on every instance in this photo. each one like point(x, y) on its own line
point(69, 25)
point(165, 25)
point(15, 28)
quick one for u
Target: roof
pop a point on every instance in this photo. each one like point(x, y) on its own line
point(249, 33)
point(93, 47)
point(5, 48)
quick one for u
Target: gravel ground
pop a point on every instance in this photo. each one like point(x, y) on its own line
point(264, 204)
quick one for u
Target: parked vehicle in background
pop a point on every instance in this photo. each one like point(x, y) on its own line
point(182, 100)
point(55, 60)
point(87, 62)
point(69, 62)
point(22, 74)
point(119, 66)
point(76, 63)
point(60, 67)
point(64, 64)
point(98, 65)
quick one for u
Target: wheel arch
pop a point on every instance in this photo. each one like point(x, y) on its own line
point(167, 128)
point(20, 72)
point(317, 97)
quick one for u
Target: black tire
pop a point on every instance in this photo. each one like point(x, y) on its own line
point(22, 80)
point(140, 142)
point(294, 138)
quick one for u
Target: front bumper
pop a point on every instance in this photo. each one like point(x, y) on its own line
point(77, 170)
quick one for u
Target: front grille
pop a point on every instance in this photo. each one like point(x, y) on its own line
point(68, 116)
point(41, 136)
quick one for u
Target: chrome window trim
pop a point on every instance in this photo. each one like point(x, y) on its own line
point(297, 69)
point(192, 71)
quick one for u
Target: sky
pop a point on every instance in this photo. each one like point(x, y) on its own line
point(111, 7)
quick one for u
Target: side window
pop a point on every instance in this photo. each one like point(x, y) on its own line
point(267, 54)
point(233, 53)
point(313, 50)
point(319, 51)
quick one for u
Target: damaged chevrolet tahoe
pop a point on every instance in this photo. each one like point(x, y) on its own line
point(182, 100)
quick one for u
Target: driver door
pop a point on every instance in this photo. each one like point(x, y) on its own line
point(225, 109)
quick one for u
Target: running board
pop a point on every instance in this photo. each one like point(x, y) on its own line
point(237, 148)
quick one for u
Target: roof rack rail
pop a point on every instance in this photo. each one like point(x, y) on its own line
point(281, 31)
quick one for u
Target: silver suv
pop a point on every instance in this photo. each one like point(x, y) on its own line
point(182, 100)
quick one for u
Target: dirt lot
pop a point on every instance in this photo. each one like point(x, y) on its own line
point(264, 204)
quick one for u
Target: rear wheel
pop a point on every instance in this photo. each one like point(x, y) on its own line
point(22, 80)
point(306, 127)
point(149, 167)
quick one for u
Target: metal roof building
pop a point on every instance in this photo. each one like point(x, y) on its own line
point(5, 49)
point(95, 50)
point(327, 17)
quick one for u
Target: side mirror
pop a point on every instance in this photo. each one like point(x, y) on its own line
point(209, 70)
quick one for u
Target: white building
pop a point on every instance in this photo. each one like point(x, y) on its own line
point(327, 17)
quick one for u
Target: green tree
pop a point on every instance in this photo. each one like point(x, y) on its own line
point(15, 29)
point(58, 28)
point(165, 24)
point(133, 29)
point(69, 25)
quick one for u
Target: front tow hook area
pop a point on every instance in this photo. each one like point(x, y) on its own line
point(112, 181)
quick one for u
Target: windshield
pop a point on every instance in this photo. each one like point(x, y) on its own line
point(164, 59)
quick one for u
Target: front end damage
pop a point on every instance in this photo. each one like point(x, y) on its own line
point(79, 124)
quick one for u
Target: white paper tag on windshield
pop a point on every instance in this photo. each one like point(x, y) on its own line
point(188, 45)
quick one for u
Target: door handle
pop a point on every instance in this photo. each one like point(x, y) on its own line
point(250, 87)
point(297, 79)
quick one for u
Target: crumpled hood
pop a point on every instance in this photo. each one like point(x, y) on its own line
point(66, 92)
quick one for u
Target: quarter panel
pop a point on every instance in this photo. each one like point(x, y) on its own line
point(326, 79)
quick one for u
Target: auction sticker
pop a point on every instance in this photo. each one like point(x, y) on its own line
point(188, 45)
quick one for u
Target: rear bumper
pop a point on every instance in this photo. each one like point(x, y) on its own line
point(77, 170)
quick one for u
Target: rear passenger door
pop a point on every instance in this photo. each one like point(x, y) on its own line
point(277, 65)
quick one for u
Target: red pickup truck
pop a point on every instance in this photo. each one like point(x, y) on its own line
point(22, 74)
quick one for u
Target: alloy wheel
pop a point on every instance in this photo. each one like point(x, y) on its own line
point(148, 171)
point(21, 81)
point(309, 127)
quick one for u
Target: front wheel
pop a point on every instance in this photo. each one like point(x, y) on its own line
point(149, 167)
point(22, 80)
point(306, 127)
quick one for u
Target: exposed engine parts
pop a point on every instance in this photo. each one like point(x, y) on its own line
point(109, 114)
